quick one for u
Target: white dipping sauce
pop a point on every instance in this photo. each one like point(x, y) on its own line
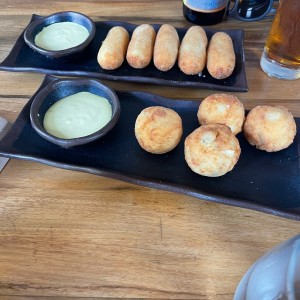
point(61, 36)
point(77, 115)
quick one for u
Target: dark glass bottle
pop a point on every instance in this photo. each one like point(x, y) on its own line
point(205, 12)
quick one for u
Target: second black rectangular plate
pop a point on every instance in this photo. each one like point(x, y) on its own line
point(267, 182)
point(24, 59)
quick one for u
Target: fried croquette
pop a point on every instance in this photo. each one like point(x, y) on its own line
point(166, 47)
point(220, 56)
point(211, 150)
point(270, 128)
point(224, 109)
point(192, 51)
point(140, 48)
point(113, 49)
point(158, 129)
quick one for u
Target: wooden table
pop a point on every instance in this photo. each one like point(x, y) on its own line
point(65, 233)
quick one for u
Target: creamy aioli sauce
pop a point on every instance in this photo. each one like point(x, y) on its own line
point(77, 115)
point(61, 36)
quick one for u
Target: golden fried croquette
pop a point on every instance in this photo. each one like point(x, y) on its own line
point(211, 150)
point(113, 49)
point(140, 48)
point(166, 47)
point(224, 109)
point(270, 128)
point(220, 56)
point(158, 129)
point(192, 51)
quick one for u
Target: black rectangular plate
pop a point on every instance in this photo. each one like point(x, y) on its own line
point(267, 182)
point(24, 59)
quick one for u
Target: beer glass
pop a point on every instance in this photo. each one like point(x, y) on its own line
point(281, 54)
point(276, 275)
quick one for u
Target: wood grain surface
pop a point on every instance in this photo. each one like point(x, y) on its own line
point(70, 234)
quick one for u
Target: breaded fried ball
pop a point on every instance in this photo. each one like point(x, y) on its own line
point(223, 109)
point(270, 128)
point(158, 129)
point(212, 150)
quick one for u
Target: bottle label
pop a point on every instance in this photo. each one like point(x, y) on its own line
point(205, 5)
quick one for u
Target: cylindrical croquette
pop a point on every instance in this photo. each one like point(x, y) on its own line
point(220, 56)
point(192, 51)
point(166, 47)
point(113, 49)
point(140, 48)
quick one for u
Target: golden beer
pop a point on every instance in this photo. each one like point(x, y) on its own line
point(281, 56)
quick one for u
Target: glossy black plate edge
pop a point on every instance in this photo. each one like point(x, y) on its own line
point(175, 188)
point(6, 65)
point(160, 186)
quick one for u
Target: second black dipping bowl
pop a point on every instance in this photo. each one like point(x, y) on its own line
point(62, 88)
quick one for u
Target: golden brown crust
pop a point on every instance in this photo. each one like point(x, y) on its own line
point(223, 109)
point(158, 129)
point(192, 51)
point(220, 56)
point(140, 48)
point(212, 150)
point(113, 49)
point(270, 128)
point(166, 47)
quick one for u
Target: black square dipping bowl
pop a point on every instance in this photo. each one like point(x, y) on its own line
point(68, 16)
point(62, 88)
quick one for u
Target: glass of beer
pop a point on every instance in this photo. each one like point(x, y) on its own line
point(281, 55)
point(275, 275)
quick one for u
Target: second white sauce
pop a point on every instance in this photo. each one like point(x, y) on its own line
point(77, 115)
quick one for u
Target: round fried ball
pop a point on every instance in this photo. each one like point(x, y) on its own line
point(158, 129)
point(212, 150)
point(223, 109)
point(270, 128)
